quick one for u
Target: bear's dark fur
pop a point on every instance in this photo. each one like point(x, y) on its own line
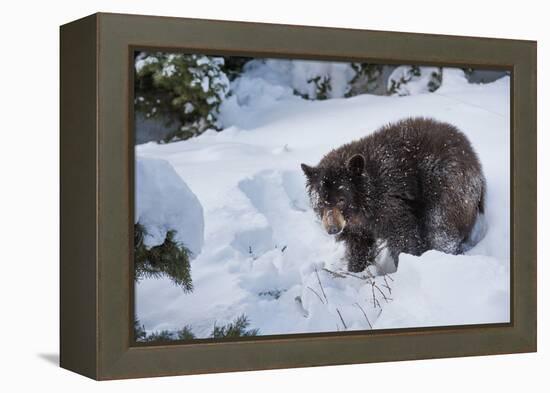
point(411, 186)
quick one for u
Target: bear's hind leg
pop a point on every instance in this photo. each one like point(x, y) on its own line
point(442, 233)
point(403, 234)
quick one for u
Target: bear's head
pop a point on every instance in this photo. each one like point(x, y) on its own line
point(337, 194)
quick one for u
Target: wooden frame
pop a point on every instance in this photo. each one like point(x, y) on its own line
point(97, 215)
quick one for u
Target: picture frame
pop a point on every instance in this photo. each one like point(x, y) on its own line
point(96, 170)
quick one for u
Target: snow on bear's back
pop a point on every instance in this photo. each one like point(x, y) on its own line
point(164, 202)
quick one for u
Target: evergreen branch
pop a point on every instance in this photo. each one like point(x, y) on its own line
point(170, 259)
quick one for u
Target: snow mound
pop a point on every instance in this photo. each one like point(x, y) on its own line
point(265, 252)
point(453, 79)
point(299, 75)
point(164, 202)
point(437, 289)
point(266, 83)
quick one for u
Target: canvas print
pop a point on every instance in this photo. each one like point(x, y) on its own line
point(290, 196)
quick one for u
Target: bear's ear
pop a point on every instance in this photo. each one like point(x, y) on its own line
point(356, 164)
point(309, 171)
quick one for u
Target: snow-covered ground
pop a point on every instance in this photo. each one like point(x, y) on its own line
point(266, 255)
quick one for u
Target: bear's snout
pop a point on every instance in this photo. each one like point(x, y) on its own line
point(333, 221)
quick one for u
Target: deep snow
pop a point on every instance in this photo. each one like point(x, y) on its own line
point(164, 202)
point(265, 253)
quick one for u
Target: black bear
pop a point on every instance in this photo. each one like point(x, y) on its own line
point(411, 186)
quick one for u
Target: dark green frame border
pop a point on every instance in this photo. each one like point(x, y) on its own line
point(96, 213)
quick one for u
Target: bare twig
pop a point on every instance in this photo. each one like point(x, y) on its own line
point(364, 278)
point(335, 274)
point(385, 275)
point(342, 319)
point(355, 275)
point(364, 313)
point(315, 292)
point(374, 299)
point(382, 292)
point(321, 285)
point(387, 285)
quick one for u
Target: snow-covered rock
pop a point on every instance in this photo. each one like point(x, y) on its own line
point(164, 202)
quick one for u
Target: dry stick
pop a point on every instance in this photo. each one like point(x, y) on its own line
point(321, 285)
point(364, 278)
point(382, 292)
point(356, 276)
point(387, 285)
point(335, 274)
point(342, 319)
point(315, 292)
point(364, 313)
point(374, 300)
